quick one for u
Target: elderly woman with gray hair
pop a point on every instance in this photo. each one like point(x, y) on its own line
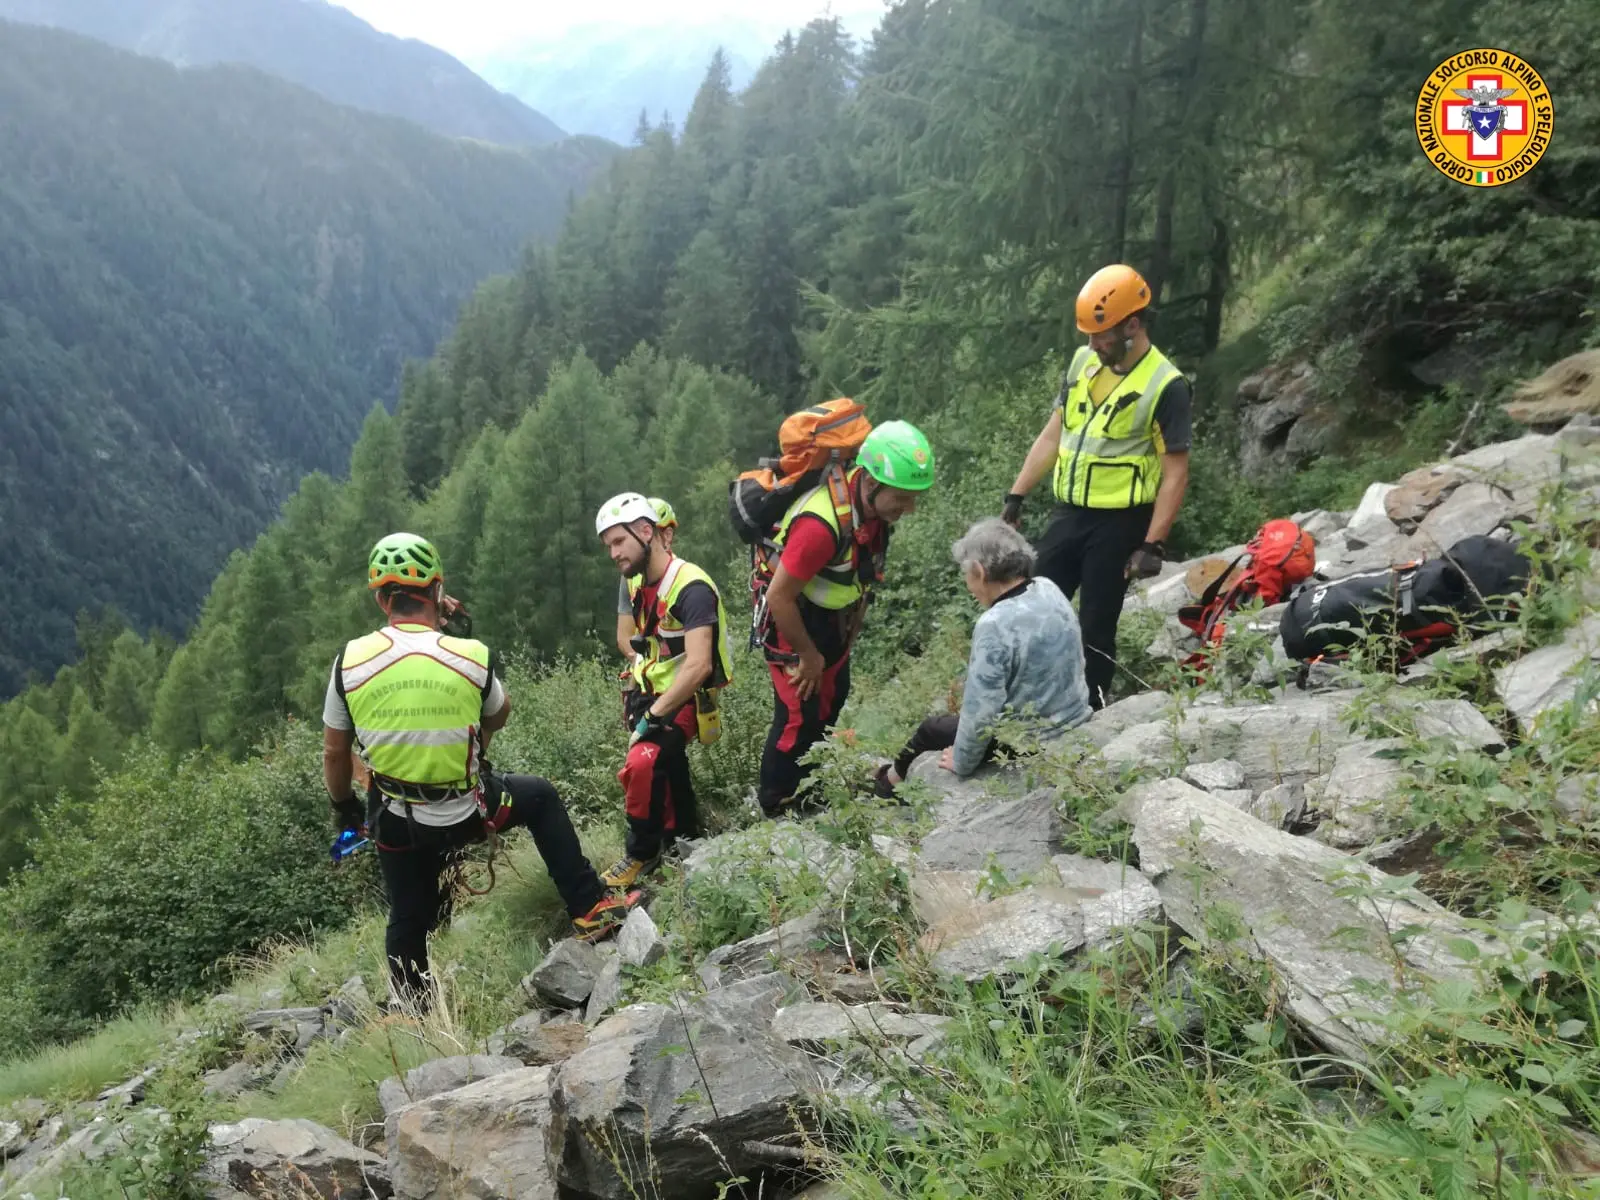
point(1027, 658)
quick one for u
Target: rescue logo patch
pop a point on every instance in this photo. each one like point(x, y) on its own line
point(1484, 117)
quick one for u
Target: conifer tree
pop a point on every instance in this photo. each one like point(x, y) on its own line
point(128, 689)
point(703, 316)
point(184, 704)
point(541, 578)
point(30, 751)
point(92, 742)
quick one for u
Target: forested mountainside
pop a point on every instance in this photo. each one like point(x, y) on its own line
point(908, 225)
point(207, 278)
point(597, 78)
point(310, 42)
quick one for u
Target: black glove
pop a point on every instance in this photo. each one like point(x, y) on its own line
point(349, 813)
point(1147, 561)
point(647, 725)
point(1011, 514)
point(457, 623)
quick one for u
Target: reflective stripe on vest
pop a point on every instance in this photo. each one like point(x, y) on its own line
point(416, 700)
point(1108, 456)
point(837, 585)
point(655, 670)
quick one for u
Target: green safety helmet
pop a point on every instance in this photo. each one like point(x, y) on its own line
point(668, 518)
point(405, 559)
point(897, 454)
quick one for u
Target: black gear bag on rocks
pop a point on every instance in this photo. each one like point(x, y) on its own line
point(1420, 606)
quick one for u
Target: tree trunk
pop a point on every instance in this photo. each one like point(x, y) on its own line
point(1217, 288)
point(1122, 189)
point(1190, 106)
point(1160, 264)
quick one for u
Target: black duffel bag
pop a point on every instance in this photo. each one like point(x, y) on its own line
point(1420, 606)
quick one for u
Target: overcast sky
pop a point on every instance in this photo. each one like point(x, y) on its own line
point(471, 27)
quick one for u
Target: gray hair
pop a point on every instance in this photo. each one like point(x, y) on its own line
point(1000, 550)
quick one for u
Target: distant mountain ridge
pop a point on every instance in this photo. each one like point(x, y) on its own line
point(597, 78)
point(207, 278)
point(310, 42)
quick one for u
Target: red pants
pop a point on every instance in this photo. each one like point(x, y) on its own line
point(657, 792)
point(797, 726)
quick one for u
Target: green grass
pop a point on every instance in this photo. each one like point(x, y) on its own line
point(81, 1070)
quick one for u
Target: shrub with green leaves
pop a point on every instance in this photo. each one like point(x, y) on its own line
point(172, 873)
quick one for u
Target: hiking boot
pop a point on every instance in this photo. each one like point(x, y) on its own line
point(881, 787)
point(605, 918)
point(627, 871)
point(799, 806)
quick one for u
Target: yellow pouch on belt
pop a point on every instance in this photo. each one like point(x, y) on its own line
point(708, 716)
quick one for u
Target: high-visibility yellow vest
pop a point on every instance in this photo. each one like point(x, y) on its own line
point(657, 667)
point(838, 585)
point(416, 699)
point(1109, 457)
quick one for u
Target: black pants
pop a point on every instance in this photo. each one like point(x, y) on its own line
point(412, 856)
point(1086, 550)
point(936, 733)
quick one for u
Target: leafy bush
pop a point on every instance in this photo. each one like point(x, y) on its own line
point(169, 875)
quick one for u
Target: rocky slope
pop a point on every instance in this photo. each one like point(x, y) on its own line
point(1294, 810)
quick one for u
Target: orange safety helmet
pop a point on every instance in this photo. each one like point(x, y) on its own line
point(1111, 296)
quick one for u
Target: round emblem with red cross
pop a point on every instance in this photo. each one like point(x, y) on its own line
point(1484, 117)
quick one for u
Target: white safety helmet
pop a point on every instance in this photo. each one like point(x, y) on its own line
point(624, 510)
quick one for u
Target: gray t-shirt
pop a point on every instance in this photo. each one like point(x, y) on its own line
point(336, 715)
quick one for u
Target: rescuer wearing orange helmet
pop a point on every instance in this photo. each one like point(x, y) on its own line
point(1117, 448)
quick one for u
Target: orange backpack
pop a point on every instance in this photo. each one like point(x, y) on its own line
point(815, 448)
point(1280, 556)
point(809, 443)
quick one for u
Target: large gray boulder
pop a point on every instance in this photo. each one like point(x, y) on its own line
point(955, 797)
point(817, 1025)
point(995, 937)
point(782, 850)
point(1353, 799)
point(1142, 708)
point(1335, 954)
point(1290, 740)
point(486, 1140)
point(441, 1075)
point(566, 976)
point(639, 942)
point(607, 994)
point(1370, 522)
point(1019, 835)
point(272, 1159)
point(1526, 465)
point(801, 946)
point(537, 1043)
point(1473, 508)
point(667, 1101)
point(296, 1027)
point(1223, 775)
point(1548, 677)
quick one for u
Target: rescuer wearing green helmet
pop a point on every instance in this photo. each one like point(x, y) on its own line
point(421, 707)
point(831, 547)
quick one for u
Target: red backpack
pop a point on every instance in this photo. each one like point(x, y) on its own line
point(1280, 556)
